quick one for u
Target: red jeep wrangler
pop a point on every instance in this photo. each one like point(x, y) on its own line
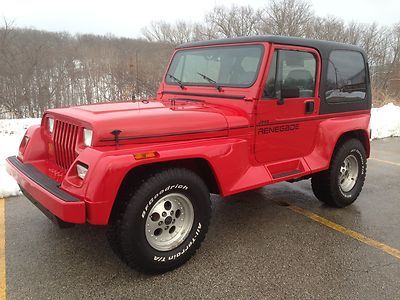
point(230, 115)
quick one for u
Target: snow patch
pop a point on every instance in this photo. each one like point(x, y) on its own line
point(385, 122)
point(11, 134)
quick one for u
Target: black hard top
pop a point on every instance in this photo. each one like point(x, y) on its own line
point(320, 45)
point(323, 47)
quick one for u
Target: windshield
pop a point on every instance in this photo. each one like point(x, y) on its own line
point(234, 66)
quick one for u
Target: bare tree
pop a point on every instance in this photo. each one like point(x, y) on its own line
point(178, 33)
point(329, 28)
point(40, 70)
point(235, 21)
point(287, 17)
point(157, 31)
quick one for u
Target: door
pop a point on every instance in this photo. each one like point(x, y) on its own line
point(286, 111)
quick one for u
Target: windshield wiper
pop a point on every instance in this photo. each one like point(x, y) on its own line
point(177, 80)
point(210, 80)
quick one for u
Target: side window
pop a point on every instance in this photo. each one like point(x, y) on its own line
point(291, 75)
point(270, 85)
point(346, 78)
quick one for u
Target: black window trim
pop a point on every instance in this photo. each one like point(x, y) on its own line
point(366, 72)
point(307, 50)
point(261, 46)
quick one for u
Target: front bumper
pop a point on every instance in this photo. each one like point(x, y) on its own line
point(45, 193)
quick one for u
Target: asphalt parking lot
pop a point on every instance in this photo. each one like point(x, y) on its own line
point(268, 243)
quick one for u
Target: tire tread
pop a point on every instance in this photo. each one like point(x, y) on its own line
point(324, 183)
point(121, 225)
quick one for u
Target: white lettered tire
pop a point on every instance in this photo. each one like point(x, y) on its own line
point(342, 183)
point(165, 221)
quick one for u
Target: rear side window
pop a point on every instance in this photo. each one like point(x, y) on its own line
point(291, 75)
point(346, 78)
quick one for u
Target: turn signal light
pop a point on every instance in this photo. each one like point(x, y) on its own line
point(145, 155)
point(81, 170)
point(23, 144)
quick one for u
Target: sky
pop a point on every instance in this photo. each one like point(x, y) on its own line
point(127, 18)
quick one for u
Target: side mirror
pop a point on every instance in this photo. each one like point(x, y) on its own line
point(288, 92)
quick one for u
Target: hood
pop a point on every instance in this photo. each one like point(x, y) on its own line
point(147, 121)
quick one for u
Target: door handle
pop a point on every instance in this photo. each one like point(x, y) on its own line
point(310, 105)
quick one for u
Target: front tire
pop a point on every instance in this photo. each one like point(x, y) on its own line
point(342, 183)
point(164, 222)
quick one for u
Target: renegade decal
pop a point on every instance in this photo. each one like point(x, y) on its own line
point(278, 129)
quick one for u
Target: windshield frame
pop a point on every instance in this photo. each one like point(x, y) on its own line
point(207, 84)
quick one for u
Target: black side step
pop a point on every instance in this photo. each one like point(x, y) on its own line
point(284, 174)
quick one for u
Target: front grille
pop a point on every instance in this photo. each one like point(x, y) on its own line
point(65, 138)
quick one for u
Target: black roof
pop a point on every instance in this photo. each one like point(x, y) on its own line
point(319, 45)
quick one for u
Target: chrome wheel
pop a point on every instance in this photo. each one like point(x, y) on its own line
point(169, 222)
point(348, 173)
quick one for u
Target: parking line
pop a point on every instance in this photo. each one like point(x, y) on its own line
point(2, 252)
point(351, 233)
point(386, 161)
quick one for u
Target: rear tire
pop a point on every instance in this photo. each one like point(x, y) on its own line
point(342, 183)
point(164, 222)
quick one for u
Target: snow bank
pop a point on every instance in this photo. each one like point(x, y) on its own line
point(385, 122)
point(11, 133)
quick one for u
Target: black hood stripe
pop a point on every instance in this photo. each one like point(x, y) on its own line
point(125, 138)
